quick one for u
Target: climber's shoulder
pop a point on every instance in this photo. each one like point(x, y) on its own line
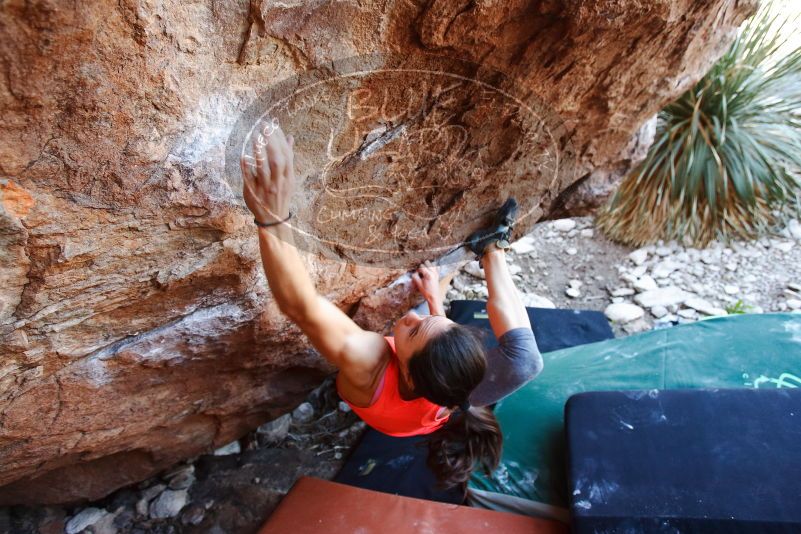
point(356, 352)
point(365, 354)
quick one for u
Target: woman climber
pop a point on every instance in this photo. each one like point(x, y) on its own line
point(434, 377)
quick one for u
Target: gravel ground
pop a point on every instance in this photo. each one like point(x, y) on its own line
point(564, 264)
point(567, 264)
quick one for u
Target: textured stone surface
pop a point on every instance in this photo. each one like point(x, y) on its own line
point(590, 191)
point(135, 327)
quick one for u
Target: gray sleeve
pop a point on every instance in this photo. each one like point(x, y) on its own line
point(511, 364)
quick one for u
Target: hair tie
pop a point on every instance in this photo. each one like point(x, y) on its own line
point(465, 406)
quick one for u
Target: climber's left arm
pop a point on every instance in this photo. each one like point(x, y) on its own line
point(516, 359)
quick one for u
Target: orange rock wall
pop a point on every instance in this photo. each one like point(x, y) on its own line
point(135, 324)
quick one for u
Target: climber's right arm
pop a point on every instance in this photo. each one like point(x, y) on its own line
point(268, 188)
point(356, 352)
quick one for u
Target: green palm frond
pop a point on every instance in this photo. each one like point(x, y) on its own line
point(726, 158)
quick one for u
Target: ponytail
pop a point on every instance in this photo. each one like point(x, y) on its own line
point(470, 439)
point(444, 372)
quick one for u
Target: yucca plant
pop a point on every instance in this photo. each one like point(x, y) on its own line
point(726, 157)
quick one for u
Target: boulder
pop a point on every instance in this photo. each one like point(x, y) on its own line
point(136, 327)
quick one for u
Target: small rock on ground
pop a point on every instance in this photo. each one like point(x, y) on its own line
point(659, 311)
point(639, 256)
point(276, 430)
point(623, 312)
point(524, 245)
point(181, 478)
point(536, 301)
point(622, 292)
point(794, 229)
point(192, 515)
point(152, 491)
point(663, 296)
point(573, 292)
point(636, 326)
point(564, 225)
point(83, 519)
point(703, 306)
point(231, 448)
point(645, 283)
point(303, 413)
point(473, 269)
point(168, 504)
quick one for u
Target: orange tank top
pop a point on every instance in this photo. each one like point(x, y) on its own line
point(392, 415)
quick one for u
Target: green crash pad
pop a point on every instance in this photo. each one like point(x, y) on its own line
point(749, 351)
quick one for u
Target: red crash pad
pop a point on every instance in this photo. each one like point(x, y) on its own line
point(316, 506)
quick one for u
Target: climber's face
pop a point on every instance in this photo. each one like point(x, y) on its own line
point(412, 332)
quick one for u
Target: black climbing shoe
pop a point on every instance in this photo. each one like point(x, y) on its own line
point(498, 232)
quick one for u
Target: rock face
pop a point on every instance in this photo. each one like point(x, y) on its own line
point(135, 324)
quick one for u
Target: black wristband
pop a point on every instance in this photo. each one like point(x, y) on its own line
point(267, 225)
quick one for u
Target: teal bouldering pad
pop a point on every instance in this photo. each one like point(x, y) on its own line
point(749, 351)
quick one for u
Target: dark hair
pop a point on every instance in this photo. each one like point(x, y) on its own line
point(445, 371)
